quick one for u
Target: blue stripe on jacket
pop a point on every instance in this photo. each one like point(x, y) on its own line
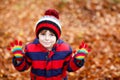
point(42, 55)
point(47, 73)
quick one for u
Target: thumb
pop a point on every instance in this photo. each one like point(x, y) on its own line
point(8, 48)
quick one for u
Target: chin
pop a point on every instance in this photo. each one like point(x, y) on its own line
point(47, 46)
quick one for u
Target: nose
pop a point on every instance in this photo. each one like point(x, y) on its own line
point(47, 37)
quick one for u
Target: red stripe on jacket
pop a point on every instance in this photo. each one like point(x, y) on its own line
point(54, 64)
point(35, 48)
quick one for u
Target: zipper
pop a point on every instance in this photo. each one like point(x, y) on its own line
point(47, 58)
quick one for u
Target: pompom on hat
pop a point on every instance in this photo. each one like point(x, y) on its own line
point(50, 21)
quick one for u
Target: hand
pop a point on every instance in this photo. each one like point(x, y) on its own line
point(16, 49)
point(82, 52)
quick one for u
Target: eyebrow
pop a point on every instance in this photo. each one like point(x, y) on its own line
point(43, 31)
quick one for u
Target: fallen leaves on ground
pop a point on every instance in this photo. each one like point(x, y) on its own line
point(97, 22)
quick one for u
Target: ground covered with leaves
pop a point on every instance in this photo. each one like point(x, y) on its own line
point(97, 22)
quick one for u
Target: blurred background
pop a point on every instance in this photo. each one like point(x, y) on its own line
point(97, 22)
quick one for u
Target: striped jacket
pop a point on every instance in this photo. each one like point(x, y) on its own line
point(48, 65)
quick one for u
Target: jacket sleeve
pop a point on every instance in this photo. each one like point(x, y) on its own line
point(72, 63)
point(24, 64)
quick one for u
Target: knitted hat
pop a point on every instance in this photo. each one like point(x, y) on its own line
point(49, 21)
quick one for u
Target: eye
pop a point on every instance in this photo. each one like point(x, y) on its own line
point(42, 33)
point(52, 34)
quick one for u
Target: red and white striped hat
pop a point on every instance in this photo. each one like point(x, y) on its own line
point(49, 21)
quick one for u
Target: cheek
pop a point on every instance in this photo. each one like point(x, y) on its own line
point(53, 39)
point(41, 37)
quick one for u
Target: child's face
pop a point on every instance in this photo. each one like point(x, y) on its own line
point(47, 39)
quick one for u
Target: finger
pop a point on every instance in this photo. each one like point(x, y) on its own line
point(88, 49)
point(74, 51)
point(9, 48)
point(85, 46)
point(12, 44)
point(82, 44)
point(16, 42)
point(20, 43)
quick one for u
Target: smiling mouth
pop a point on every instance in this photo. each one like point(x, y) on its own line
point(46, 42)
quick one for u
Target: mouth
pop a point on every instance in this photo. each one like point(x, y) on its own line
point(46, 42)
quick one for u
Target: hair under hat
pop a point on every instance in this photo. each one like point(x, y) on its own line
point(49, 21)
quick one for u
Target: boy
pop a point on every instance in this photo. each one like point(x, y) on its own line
point(48, 56)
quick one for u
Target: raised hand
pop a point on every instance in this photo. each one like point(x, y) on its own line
point(82, 51)
point(16, 49)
